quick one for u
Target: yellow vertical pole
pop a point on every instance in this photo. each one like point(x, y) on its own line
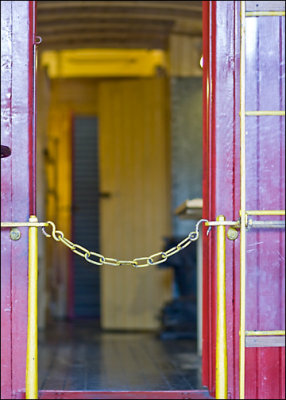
point(221, 343)
point(242, 204)
point(32, 333)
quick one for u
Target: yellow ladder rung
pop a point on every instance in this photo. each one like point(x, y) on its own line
point(265, 212)
point(265, 14)
point(264, 113)
point(265, 333)
point(23, 224)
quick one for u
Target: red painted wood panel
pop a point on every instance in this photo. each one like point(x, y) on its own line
point(206, 193)
point(6, 190)
point(219, 190)
point(209, 173)
point(265, 81)
point(265, 185)
point(16, 195)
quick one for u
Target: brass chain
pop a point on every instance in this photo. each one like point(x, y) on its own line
point(98, 259)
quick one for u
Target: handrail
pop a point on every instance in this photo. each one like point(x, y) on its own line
point(32, 331)
point(221, 339)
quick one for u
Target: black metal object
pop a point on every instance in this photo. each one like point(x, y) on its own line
point(179, 316)
point(5, 151)
point(184, 265)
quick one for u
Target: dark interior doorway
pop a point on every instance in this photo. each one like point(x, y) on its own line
point(77, 355)
point(86, 280)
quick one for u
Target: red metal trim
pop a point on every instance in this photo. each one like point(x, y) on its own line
point(206, 91)
point(236, 200)
point(212, 199)
point(64, 394)
point(209, 191)
point(31, 108)
point(220, 169)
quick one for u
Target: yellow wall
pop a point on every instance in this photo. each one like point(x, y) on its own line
point(134, 166)
point(68, 97)
point(43, 98)
point(104, 63)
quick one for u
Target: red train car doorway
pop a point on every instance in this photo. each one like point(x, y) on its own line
point(243, 178)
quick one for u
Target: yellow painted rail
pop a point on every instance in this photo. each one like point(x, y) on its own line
point(32, 332)
point(265, 14)
point(221, 340)
point(32, 323)
point(265, 333)
point(266, 212)
point(264, 113)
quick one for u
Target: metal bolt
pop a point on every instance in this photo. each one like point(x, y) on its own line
point(15, 234)
point(232, 233)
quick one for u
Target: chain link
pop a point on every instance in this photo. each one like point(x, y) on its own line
point(98, 259)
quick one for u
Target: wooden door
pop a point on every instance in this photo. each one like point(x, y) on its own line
point(265, 188)
point(17, 185)
point(135, 217)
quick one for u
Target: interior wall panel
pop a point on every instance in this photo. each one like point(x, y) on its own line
point(134, 169)
point(68, 97)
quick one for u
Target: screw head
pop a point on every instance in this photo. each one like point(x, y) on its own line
point(232, 233)
point(15, 234)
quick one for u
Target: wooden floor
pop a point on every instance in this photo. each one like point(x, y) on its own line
point(80, 357)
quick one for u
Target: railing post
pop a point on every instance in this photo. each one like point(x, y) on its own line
point(221, 342)
point(32, 332)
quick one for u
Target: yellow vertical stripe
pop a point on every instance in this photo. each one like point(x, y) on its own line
point(221, 340)
point(32, 332)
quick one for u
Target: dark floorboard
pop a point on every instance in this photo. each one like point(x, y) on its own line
point(80, 357)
